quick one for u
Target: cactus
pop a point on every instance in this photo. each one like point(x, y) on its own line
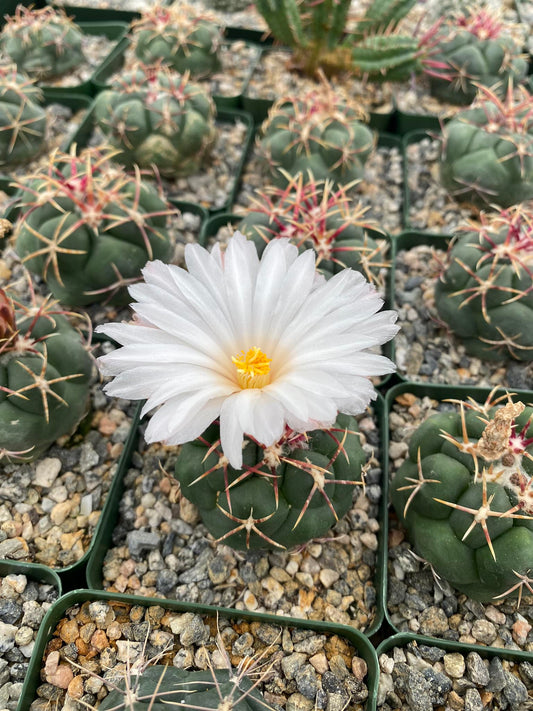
point(473, 47)
point(180, 36)
point(312, 214)
point(487, 150)
point(316, 133)
point(284, 495)
point(316, 32)
point(485, 292)
point(22, 120)
point(87, 228)
point(464, 495)
point(45, 372)
point(155, 116)
point(43, 43)
point(162, 686)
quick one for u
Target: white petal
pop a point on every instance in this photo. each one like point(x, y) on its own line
point(182, 419)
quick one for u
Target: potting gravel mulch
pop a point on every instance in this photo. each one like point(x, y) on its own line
point(420, 677)
point(417, 602)
point(296, 669)
point(161, 549)
point(23, 604)
point(425, 350)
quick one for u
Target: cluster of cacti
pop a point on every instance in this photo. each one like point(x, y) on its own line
point(43, 43)
point(160, 687)
point(318, 133)
point(464, 495)
point(316, 32)
point(485, 292)
point(313, 214)
point(87, 227)
point(22, 119)
point(487, 150)
point(45, 372)
point(284, 495)
point(156, 117)
point(180, 36)
point(474, 48)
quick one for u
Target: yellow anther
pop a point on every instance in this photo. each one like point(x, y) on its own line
point(253, 368)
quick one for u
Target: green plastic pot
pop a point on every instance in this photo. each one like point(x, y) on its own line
point(438, 392)
point(259, 107)
point(37, 572)
point(102, 541)
point(360, 644)
point(115, 61)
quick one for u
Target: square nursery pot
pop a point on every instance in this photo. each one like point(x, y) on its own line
point(426, 351)
point(152, 543)
point(235, 131)
point(343, 670)
point(421, 673)
point(229, 222)
point(94, 14)
point(27, 591)
point(231, 47)
point(418, 601)
point(76, 103)
point(428, 207)
point(259, 106)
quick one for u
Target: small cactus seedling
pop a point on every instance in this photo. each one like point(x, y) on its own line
point(487, 150)
point(156, 117)
point(313, 214)
point(22, 119)
point(465, 496)
point(45, 372)
point(43, 43)
point(485, 293)
point(318, 133)
point(316, 32)
point(473, 47)
point(179, 35)
point(285, 494)
point(87, 227)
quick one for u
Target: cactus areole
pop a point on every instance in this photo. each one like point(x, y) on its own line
point(465, 496)
point(45, 371)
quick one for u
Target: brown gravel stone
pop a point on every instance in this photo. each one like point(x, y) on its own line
point(75, 688)
point(69, 631)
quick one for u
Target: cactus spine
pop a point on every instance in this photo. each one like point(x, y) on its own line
point(464, 495)
point(22, 119)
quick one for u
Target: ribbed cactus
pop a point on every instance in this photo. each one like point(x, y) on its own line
point(487, 150)
point(43, 43)
point(87, 227)
point(464, 495)
point(473, 47)
point(180, 36)
point(22, 119)
point(313, 214)
point(318, 133)
point(156, 117)
point(45, 371)
point(485, 292)
point(284, 495)
point(160, 687)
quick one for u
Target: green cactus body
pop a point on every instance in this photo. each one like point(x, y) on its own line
point(318, 133)
point(89, 228)
point(284, 495)
point(484, 293)
point(179, 36)
point(45, 373)
point(473, 49)
point(487, 151)
point(43, 43)
point(312, 214)
point(464, 495)
point(160, 687)
point(156, 117)
point(22, 119)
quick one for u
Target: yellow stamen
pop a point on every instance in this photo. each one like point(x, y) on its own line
point(253, 368)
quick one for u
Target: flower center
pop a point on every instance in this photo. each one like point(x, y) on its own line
point(253, 368)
